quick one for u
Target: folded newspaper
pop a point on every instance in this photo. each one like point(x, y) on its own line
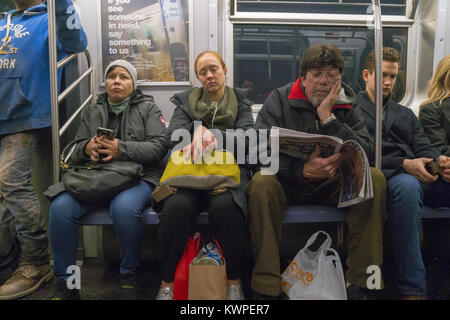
point(355, 170)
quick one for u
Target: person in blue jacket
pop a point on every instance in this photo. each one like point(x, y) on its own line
point(25, 112)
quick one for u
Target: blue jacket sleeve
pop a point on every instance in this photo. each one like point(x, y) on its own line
point(71, 37)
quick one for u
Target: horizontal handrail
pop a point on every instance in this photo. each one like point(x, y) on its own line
point(63, 95)
point(55, 65)
point(74, 115)
point(74, 84)
point(66, 60)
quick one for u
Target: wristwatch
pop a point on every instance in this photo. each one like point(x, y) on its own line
point(329, 119)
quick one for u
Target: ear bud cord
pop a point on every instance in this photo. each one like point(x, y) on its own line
point(214, 116)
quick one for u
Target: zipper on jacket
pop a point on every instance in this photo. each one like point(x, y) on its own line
point(116, 125)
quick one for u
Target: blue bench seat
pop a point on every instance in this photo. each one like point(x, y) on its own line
point(294, 214)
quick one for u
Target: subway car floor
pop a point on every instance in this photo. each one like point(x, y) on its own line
point(99, 281)
point(99, 278)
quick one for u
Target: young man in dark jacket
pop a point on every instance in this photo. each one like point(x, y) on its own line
point(406, 150)
point(318, 102)
point(24, 113)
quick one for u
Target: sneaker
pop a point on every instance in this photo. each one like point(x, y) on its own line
point(25, 280)
point(235, 292)
point(129, 288)
point(61, 292)
point(165, 293)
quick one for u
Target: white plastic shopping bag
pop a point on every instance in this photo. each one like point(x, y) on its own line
point(315, 275)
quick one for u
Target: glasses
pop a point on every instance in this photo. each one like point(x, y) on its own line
point(330, 75)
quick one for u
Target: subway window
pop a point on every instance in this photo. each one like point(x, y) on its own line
point(268, 56)
point(388, 7)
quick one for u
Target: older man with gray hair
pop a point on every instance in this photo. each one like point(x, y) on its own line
point(317, 102)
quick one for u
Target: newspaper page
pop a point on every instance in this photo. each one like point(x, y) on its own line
point(355, 171)
point(300, 144)
point(357, 180)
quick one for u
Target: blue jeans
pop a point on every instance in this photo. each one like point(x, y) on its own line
point(19, 202)
point(405, 199)
point(126, 211)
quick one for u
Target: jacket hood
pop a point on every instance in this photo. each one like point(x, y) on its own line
point(37, 9)
point(40, 8)
point(181, 97)
point(346, 96)
point(344, 100)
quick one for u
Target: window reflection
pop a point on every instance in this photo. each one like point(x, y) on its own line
point(388, 7)
point(267, 56)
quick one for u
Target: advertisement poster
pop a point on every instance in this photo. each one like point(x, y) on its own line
point(153, 35)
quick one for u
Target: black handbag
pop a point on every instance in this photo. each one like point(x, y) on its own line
point(94, 182)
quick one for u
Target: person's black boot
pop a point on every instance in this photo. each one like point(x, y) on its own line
point(129, 288)
point(61, 292)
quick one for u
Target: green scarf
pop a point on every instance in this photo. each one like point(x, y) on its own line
point(223, 117)
point(118, 107)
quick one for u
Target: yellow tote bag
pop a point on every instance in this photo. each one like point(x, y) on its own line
point(217, 171)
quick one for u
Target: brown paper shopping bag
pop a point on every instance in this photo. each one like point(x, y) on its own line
point(208, 275)
point(207, 282)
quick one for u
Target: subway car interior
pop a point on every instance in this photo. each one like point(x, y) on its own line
point(262, 43)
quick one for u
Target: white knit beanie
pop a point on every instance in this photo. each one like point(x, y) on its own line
point(127, 66)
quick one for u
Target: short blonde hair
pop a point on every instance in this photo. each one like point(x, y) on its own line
point(439, 84)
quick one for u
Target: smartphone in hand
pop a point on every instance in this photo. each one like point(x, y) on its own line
point(108, 133)
point(432, 167)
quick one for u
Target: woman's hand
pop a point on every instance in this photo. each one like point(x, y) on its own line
point(109, 148)
point(92, 149)
point(203, 142)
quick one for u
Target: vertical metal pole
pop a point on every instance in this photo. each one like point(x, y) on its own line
point(53, 86)
point(91, 82)
point(378, 29)
point(212, 25)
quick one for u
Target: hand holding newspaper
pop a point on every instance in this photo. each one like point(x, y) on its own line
point(355, 171)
